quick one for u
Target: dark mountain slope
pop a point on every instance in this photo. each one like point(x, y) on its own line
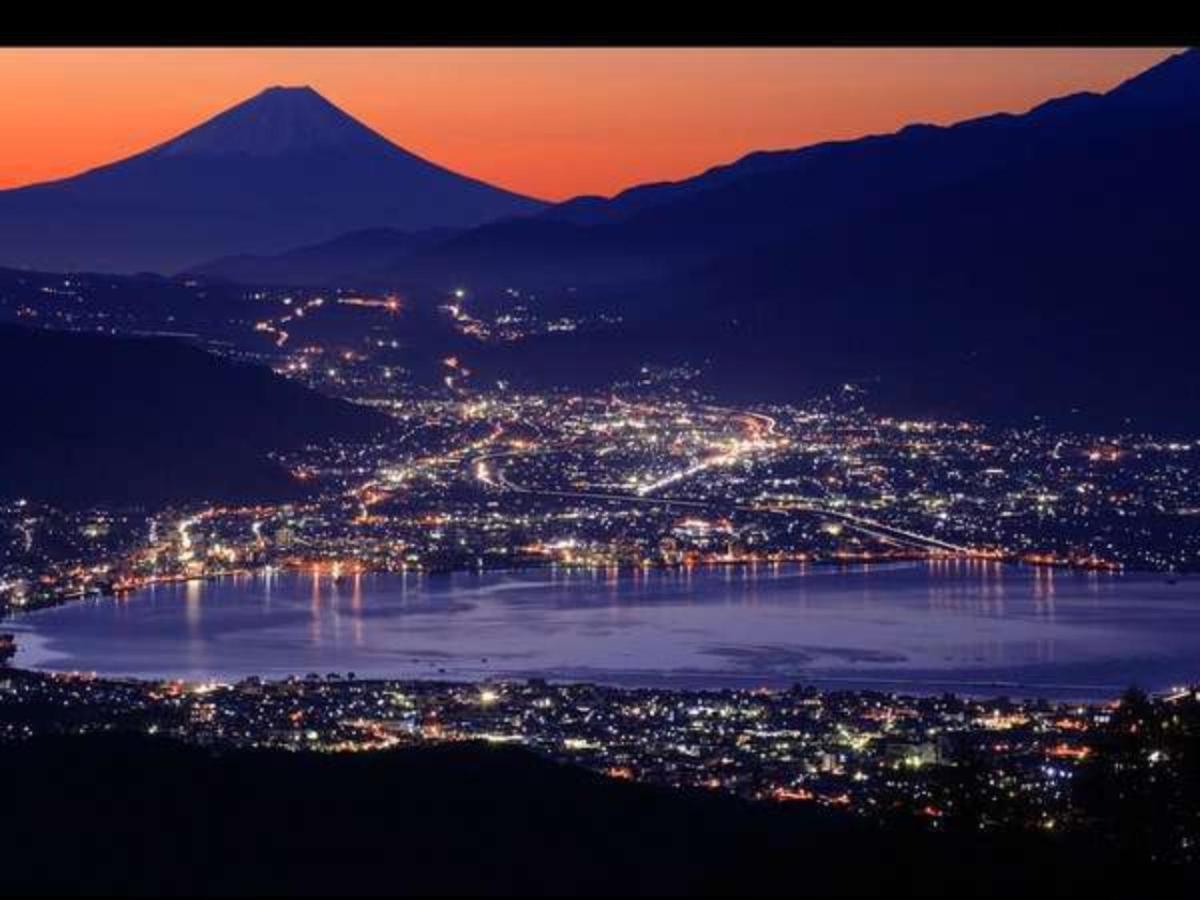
point(353, 259)
point(1059, 283)
point(93, 419)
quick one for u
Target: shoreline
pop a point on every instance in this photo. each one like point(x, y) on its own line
point(328, 568)
point(824, 685)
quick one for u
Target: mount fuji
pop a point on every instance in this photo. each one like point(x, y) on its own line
point(283, 168)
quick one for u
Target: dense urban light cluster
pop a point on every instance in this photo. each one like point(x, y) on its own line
point(648, 474)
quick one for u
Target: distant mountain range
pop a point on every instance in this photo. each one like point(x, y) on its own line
point(1011, 265)
point(349, 259)
point(97, 419)
point(658, 231)
point(281, 169)
point(765, 198)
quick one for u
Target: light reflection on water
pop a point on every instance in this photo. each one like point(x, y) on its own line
point(923, 626)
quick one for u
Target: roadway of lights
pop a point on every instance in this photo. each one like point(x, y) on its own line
point(761, 427)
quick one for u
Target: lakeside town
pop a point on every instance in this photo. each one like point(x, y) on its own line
point(878, 754)
point(651, 474)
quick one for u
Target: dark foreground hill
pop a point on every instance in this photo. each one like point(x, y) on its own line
point(96, 419)
point(132, 815)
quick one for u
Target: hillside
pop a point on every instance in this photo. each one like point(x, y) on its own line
point(462, 819)
point(353, 259)
point(95, 419)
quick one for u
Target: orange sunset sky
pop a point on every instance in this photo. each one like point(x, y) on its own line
point(552, 123)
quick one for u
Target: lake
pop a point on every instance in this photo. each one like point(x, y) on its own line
point(971, 627)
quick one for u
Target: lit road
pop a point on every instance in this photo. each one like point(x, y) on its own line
point(496, 476)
